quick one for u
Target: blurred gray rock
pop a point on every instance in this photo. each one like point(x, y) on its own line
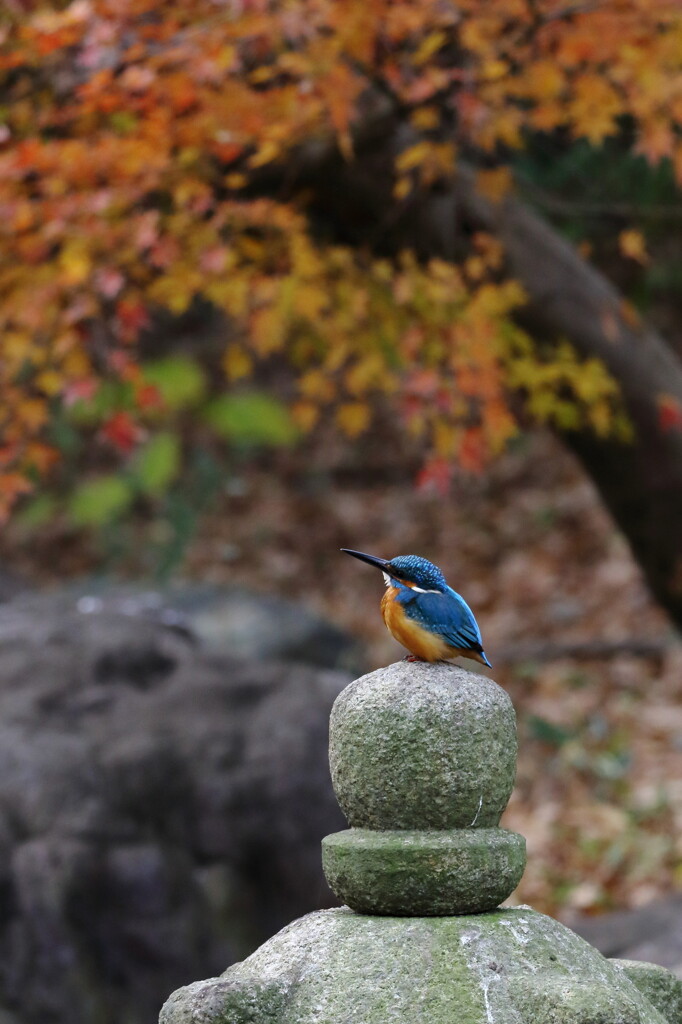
point(229, 620)
point(161, 807)
point(11, 584)
point(652, 933)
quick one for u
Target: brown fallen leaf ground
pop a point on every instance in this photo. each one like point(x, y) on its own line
point(599, 787)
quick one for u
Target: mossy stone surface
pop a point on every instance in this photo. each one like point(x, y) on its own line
point(660, 986)
point(423, 760)
point(420, 746)
point(336, 967)
point(454, 871)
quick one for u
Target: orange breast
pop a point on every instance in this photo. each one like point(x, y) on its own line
point(419, 641)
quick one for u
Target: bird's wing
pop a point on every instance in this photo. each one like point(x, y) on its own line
point(449, 615)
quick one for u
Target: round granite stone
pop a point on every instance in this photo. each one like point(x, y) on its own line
point(422, 874)
point(423, 746)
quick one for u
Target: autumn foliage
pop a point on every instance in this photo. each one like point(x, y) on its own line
point(136, 141)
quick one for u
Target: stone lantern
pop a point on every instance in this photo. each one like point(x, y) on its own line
point(423, 759)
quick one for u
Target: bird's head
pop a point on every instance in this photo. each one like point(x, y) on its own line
point(406, 570)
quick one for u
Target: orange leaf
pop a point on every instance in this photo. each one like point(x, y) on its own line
point(495, 184)
point(12, 486)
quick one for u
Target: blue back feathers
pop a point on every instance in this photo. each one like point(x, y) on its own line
point(420, 571)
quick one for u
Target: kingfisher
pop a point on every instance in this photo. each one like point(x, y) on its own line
point(423, 613)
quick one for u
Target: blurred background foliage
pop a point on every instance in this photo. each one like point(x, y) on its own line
point(251, 312)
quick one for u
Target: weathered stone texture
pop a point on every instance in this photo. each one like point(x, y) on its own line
point(660, 986)
point(419, 746)
point(337, 967)
point(460, 871)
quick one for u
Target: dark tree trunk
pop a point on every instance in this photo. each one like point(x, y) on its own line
point(640, 482)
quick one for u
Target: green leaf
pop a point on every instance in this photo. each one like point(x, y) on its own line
point(99, 500)
point(111, 396)
point(252, 418)
point(157, 464)
point(548, 732)
point(123, 121)
point(180, 380)
point(38, 512)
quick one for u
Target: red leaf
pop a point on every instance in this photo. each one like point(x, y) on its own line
point(121, 432)
point(148, 396)
point(132, 317)
point(80, 391)
point(472, 450)
point(423, 383)
point(669, 413)
point(435, 477)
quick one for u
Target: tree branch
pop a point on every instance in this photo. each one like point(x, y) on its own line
point(586, 650)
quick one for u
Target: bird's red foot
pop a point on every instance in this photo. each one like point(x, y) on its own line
point(412, 657)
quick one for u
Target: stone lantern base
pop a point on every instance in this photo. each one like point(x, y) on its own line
point(508, 967)
point(422, 760)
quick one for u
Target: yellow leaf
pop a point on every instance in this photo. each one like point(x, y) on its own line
point(428, 47)
point(32, 412)
point(601, 417)
point(412, 157)
point(263, 74)
point(475, 267)
point(235, 180)
point(237, 363)
point(226, 56)
point(494, 69)
point(402, 188)
point(16, 347)
point(76, 364)
point(594, 107)
point(50, 382)
point(542, 80)
point(425, 119)
point(75, 263)
point(633, 245)
point(445, 439)
point(368, 372)
point(268, 152)
point(267, 331)
point(315, 384)
point(353, 418)
point(309, 301)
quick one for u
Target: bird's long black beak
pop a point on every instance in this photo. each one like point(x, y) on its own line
point(378, 563)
